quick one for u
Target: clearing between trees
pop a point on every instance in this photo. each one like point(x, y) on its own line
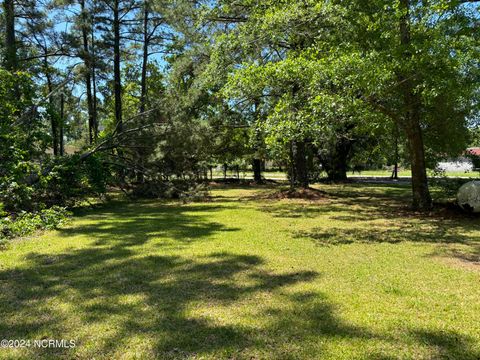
point(352, 274)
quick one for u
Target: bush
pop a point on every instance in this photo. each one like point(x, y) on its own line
point(68, 178)
point(27, 223)
point(173, 189)
point(71, 178)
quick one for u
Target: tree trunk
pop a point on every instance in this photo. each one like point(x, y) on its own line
point(291, 166)
point(395, 167)
point(146, 40)
point(116, 66)
point(10, 44)
point(94, 79)
point(411, 121)
point(421, 194)
point(257, 170)
point(61, 125)
point(117, 86)
point(143, 83)
point(53, 117)
point(257, 162)
point(335, 163)
point(337, 172)
point(300, 164)
point(88, 78)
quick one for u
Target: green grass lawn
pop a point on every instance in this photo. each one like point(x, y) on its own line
point(408, 173)
point(249, 174)
point(350, 275)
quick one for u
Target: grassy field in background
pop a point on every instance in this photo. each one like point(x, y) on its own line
point(374, 173)
point(350, 274)
point(408, 173)
point(249, 174)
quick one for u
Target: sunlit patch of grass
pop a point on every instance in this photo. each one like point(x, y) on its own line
point(354, 274)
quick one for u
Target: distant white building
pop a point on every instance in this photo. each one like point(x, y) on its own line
point(458, 164)
point(462, 163)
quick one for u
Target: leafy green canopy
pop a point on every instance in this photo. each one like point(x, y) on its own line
point(21, 135)
point(330, 62)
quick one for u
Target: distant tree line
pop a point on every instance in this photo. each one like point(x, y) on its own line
point(153, 94)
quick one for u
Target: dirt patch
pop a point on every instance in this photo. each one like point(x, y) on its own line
point(450, 210)
point(441, 211)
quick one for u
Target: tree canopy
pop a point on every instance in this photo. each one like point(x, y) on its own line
point(151, 95)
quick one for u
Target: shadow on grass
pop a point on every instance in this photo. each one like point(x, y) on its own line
point(359, 201)
point(364, 213)
point(114, 291)
point(134, 224)
point(94, 284)
point(447, 344)
point(114, 284)
point(99, 280)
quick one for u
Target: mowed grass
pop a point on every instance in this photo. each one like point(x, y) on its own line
point(408, 173)
point(350, 275)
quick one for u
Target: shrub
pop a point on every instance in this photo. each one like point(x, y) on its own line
point(71, 178)
point(68, 178)
point(27, 223)
point(173, 189)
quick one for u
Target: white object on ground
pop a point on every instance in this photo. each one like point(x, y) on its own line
point(468, 196)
